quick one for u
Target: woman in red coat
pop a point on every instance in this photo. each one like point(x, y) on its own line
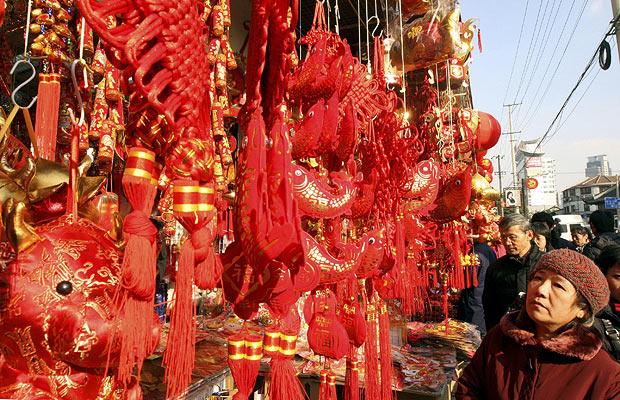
point(547, 350)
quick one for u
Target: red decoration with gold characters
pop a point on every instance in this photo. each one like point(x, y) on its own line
point(59, 321)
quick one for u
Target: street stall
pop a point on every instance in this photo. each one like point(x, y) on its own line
point(235, 198)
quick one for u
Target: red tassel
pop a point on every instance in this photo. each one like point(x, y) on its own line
point(193, 207)
point(244, 355)
point(351, 379)
point(179, 355)
point(385, 346)
point(284, 382)
point(444, 285)
point(209, 267)
point(331, 386)
point(403, 288)
point(139, 264)
point(46, 124)
point(371, 377)
point(479, 40)
point(323, 389)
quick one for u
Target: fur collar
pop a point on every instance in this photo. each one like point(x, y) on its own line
point(577, 341)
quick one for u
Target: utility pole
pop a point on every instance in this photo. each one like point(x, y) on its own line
point(512, 145)
point(617, 208)
point(615, 7)
point(501, 189)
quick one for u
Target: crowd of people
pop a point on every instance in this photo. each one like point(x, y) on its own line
point(550, 312)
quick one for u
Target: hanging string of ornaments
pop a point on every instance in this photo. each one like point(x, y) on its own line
point(353, 189)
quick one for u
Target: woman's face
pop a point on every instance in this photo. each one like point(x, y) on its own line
point(541, 242)
point(551, 301)
point(613, 279)
point(580, 239)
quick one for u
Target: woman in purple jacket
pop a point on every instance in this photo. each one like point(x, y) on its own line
point(548, 350)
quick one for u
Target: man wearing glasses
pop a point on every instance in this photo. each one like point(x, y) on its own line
point(506, 278)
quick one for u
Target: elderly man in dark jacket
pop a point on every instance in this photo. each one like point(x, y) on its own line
point(602, 226)
point(506, 278)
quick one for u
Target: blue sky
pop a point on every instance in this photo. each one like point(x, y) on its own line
point(593, 127)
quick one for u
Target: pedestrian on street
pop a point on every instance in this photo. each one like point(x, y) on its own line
point(506, 278)
point(602, 226)
point(548, 350)
point(557, 241)
point(608, 320)
point(542, 236)
point(581, 236)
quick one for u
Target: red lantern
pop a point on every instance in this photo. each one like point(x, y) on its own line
point(531, 183)
point(486, 165)
point(488, 132)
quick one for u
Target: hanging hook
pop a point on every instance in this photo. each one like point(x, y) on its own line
point(374, 30)
point(27, 81)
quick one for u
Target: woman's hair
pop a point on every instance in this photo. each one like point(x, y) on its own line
point(581, 230)
point(588, 318)
point(540, 228)
point(609, 257)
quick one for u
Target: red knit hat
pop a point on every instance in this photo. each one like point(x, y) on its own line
point(581, 272)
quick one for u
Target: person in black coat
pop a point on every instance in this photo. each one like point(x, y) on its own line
point(608, 320)
point(506, 278)
point(470, 305)
point(556, 239)
point(602, 226)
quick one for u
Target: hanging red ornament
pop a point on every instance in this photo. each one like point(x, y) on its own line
point(244, 354)
point(371, 379)
point(139, 263)
point(385, 348)
point(488, 133)
point(46, 122)
point(193, 207)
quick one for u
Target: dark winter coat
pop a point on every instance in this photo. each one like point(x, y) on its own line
point(614, 318)
point(593, 249)
point(470, 305)
point(512, 364)
point(505, 278)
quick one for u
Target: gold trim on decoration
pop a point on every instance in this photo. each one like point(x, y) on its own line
point(139, 172)
point(142, 154)
point(192, 207)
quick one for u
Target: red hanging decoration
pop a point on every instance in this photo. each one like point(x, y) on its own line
point(139, 262)
point(326, 335)
point(371, 378)
point(46, 123)
point(244, 354)
point(193, 206)
point(284, 384)
point(385, 347)
point(351, 378)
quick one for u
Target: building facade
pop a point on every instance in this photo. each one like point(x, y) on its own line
point(589, 195)
point(532, 163)
point(597, 166)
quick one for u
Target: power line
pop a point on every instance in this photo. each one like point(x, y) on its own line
point(553, 53)
point(557, 67)
point(542, 47)
point(514, 60)
point(529, 51)
point(564, 120)
point(574, 89)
